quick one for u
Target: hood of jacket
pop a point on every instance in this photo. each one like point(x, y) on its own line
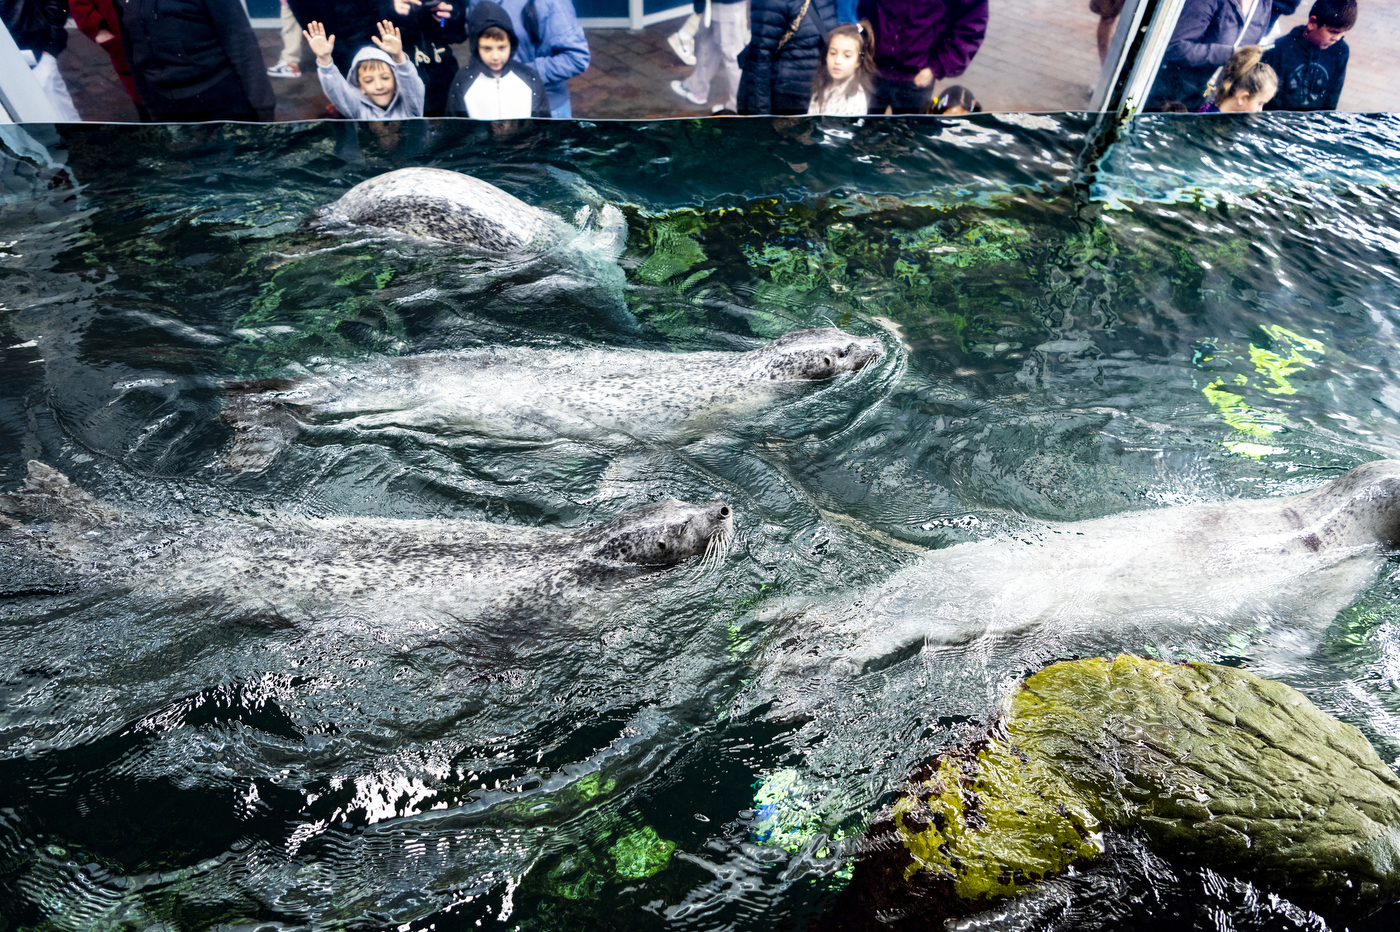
point(370, 53)
point(485, 15)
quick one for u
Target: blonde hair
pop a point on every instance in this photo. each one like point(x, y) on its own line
point(379, 65)
point(1245, 72)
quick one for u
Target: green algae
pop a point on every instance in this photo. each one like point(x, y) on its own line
point(1241, 773)
point(641, 853)
point(996, 824)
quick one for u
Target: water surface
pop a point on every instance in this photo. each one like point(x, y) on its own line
point(1204, 311)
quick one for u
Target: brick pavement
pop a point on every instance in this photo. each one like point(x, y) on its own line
point(1038, 55)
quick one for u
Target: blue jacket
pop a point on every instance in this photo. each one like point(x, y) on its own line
point(1309, 78)
point(779, 80)
point(550, 40)
point(1204, 39)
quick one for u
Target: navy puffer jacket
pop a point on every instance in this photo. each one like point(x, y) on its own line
point(780, 80)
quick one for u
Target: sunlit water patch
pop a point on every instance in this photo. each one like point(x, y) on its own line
point(1206, 313)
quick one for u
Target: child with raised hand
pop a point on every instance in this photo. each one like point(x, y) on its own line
point(842, 86)
point(1311, 61)
point(382, 84)
point(1246, 84)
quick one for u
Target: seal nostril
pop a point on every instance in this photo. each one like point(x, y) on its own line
point(826, 360)
point(724, 511)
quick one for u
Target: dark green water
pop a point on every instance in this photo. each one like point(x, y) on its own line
point(1208, 311)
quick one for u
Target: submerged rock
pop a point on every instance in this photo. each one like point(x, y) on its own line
point(1209, 763)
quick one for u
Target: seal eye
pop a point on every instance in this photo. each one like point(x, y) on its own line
point(724, 511)
point(842, 354)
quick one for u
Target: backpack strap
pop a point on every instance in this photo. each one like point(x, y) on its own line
point(792, 30)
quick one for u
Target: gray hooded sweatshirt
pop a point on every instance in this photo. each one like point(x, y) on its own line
point(344, 91)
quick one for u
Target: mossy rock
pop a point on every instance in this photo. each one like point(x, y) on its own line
point(1211, 764)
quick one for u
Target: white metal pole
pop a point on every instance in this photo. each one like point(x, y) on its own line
point(21, 98)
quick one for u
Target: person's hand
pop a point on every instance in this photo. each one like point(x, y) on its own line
point(320, 43)
point(924, 78)
point(402, 7)
point(390, 41)
point(104, 36)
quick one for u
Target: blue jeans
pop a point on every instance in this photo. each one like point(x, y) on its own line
point(564, 111)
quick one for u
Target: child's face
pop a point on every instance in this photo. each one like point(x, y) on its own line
point(1240, 102)
point(377, 81)
point(1321, 36)
point(494, 53)
point(842, 57)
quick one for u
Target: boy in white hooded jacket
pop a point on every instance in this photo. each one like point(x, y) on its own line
point(386, 85)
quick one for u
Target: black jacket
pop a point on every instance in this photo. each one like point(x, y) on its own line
point(37, 25)
point(352, 22)
point(427, 42)
point(780, 80)
point(179, 48)
point(1309, 78)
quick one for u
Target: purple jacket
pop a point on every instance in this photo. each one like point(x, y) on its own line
point(911, 35)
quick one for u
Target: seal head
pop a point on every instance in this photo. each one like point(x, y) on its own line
point(663, 534)
point(812, 355)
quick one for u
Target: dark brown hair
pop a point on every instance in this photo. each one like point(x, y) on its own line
point(493, 32)
point(865, 69)
point(954, 96)
point(1339, 14)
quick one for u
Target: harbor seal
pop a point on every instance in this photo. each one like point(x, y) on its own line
point(450, 207)
point(433, 203)
point(527, 395)
point(1275, 571)
point(398, 576)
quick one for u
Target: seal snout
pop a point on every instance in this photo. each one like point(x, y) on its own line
point(667, 533)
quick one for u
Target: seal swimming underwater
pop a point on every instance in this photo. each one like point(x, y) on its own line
point(396, 575)
point(616, 395)
point(448, 206)
point(1279, 568)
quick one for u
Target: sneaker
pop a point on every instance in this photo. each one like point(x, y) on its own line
point(285, 69)
point(684, 47)
point(679, 88)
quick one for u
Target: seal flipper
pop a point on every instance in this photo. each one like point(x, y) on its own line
point(605, 229)
point(262, 425)
point(49, 494)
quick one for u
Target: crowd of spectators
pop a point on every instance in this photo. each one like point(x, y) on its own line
point(195, 60)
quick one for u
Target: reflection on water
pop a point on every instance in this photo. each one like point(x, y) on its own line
point(1206, 314)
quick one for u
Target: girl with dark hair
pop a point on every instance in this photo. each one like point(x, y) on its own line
point(843, 85)
point(955, 100)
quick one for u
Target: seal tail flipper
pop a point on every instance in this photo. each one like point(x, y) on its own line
point(605, 228)
point(611, 231)
point(49, 494)
point(262, 425)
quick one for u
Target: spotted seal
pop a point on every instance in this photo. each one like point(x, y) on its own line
point(399, 576)
point(617, 395)
point(1275, 571)
point(448, 206)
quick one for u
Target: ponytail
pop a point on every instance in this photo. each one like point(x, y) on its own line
point(1246, 72)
